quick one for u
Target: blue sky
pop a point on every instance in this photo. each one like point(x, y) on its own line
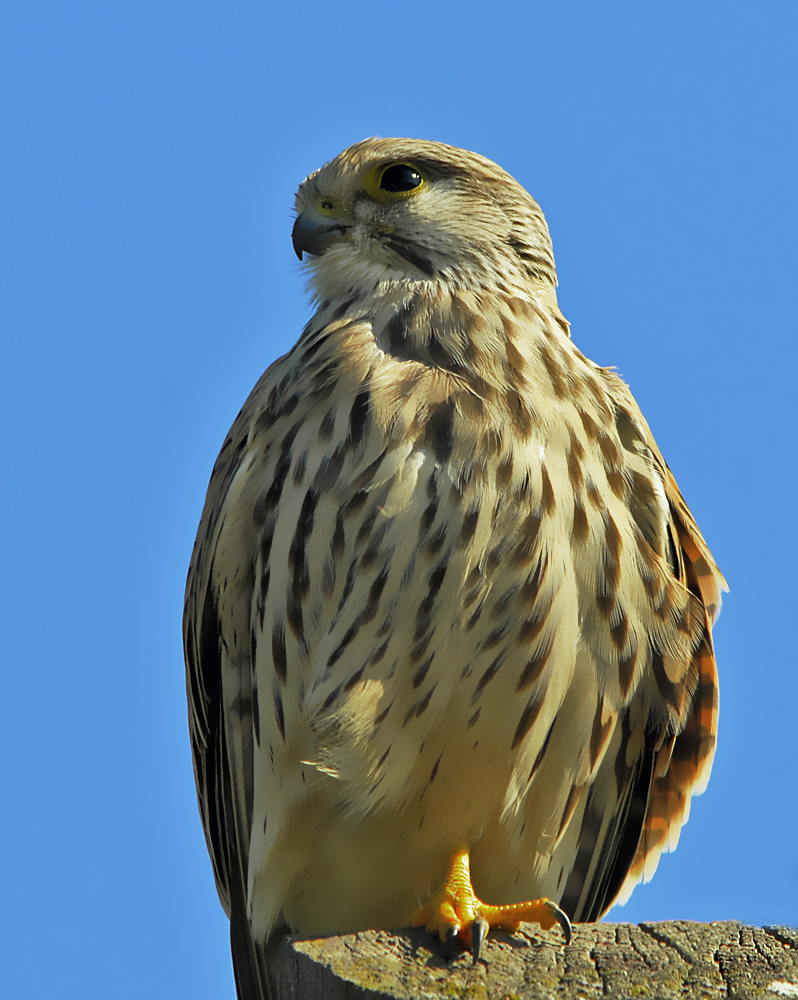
point(150, 156)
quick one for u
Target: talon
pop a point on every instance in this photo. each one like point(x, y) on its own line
point(562, 919)
point(456, 911)
point(449, 941)
point(479, 930)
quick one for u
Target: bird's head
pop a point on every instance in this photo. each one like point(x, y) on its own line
point(408, 211)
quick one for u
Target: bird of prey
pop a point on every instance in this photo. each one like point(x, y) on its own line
point(448, 618)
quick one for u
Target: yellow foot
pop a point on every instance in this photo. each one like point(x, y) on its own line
point(457, 912)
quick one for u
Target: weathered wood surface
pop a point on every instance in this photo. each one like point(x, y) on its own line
point(663, 960)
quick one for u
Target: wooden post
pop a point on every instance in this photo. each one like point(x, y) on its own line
point(675, 959)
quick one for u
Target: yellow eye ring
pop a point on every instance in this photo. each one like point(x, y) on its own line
point(393, 181)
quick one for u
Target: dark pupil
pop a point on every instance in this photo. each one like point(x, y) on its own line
point(400, 178)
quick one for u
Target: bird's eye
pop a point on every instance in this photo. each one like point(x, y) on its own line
point(393, 182)
point(400, 178)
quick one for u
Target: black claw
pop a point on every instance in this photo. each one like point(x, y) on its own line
point(479, 930)
point(562, 919)
point(449, 943)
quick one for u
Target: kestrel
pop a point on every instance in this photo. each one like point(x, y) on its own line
point(447, 608)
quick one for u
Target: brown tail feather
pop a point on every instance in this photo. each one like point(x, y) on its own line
point(682, 770)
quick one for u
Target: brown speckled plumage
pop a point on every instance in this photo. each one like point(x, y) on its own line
point(445, 588)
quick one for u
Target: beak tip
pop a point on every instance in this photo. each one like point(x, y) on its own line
point(314, 233)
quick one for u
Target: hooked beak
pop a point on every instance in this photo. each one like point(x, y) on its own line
point(314, 233)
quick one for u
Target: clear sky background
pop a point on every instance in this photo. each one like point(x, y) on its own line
point(149, 153)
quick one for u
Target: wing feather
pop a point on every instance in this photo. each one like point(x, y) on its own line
point(218, 675)
point(640, 794)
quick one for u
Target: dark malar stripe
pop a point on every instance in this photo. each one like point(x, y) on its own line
point(406, 250)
